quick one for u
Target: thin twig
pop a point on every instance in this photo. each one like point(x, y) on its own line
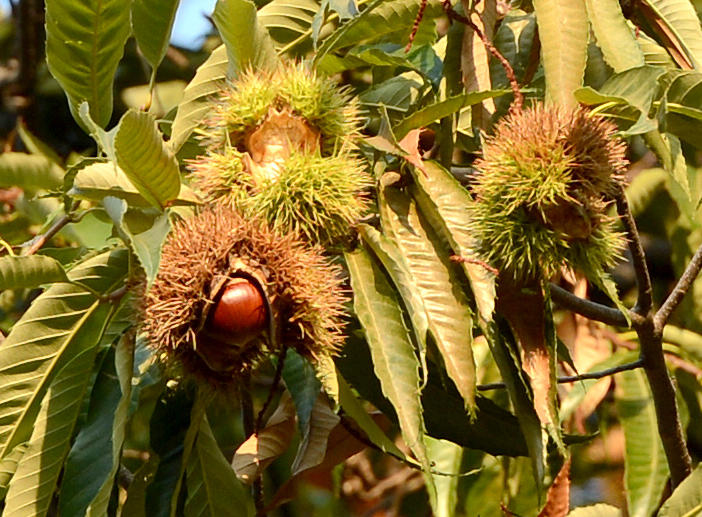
point(590, 309)
point(677, 294)
point(644, 301)
point(575, 378)
point(247, 416)
point(38, 242)
point(274, 387)
point(518, 101)
point(415, 27)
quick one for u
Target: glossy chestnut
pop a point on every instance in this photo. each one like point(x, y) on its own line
point(241, 309)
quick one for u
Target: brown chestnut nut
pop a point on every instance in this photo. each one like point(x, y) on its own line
point(241, 309)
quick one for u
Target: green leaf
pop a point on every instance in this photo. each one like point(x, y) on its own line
point(446, 204)
point(8, 467)
point(394, 361)
point(395, 94)
point(382, 20)
point(686, 500)
point(34, 482)
point(30, 271)
point(288, 20)
point(145, 158)
point(325, 369)
point(248, 43)
point(213, 489)
point(209, 80)
point(596, 510)
point(95, 456)
point(646, 469)
point(678, 21)
point(301, 381)
point(84, 44)
point(643, 187)
point(439, 110)
point(61, 323)
point(563, 30)
point(315, 436)
point(29, 171)
point(614, 36)
point(447, 310)
point(353, 408)
point(446, 458)
point(152, 22)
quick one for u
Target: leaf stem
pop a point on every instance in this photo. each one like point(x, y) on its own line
point(679, 291)
point(575, 378)
point(40, 240)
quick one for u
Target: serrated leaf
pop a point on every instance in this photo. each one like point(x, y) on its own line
point(152, 22)
point(301, 381)
point(325, 370)
point(313, 446)
point(395, 94)
point(29, 171)
point(447, 310)
point(63, 321)
point(248, 43)
point(146, 159)
point(380, 20)
point(209, 79)
point(34, 482)
point(29, 271)
point(558, 495)
point(394, 361)
point(8, 467)
point(94, 457)
point(646, 469)
point(676, 22)
point(446, 458)
point(213, 489)
point(441, 109)
point(446, 204)
point(563, 31)
point(84, 44)
point(614, 37)
point(261, 448)
point(686, 500)
point(288, 20)
point(596, 510)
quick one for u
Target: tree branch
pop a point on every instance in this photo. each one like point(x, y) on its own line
point(575, 378)
point(644, 301)
point(590, 309)
point(40, 240)
point(677, 294)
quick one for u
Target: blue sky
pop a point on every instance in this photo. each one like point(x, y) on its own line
point(190, 23)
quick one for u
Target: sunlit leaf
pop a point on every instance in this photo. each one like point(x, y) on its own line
point(563, 47)
point(677, 24)
point(287, 20)
point(61, 323)
point(447, 310)
point(152, 22)
point(597, 510)
point(446, 458)
point(646, 469)
point(558, 495)
point(614, 37)
point(394, 362)
point(29, 271)
point(146, 159)
point(248, 43)
point(686, 500)
point(84, 44)
point(446, 205)
point(209, 79)
point(29, 171)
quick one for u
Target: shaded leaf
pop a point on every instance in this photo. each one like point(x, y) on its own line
point(394, 362)
point(396, 93)
point(614, 36)
point(95, 455)
point(29, 171)
point(34, 482)
point(447, 310)
point(84, 44)
point(686, 500)
point(152, 22)
point(564, 47)
point(558, 495)
point(259, 450)
point(446, 204)
point(146, 159)
point(313, 446)
point(213, 489)
point(209, 79)
point(446, 458)
point(646, 469)
point(62, 322)
point(301, 381)
point(29, 271)
point(248, 44)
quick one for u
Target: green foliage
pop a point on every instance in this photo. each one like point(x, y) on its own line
point(427, 210)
